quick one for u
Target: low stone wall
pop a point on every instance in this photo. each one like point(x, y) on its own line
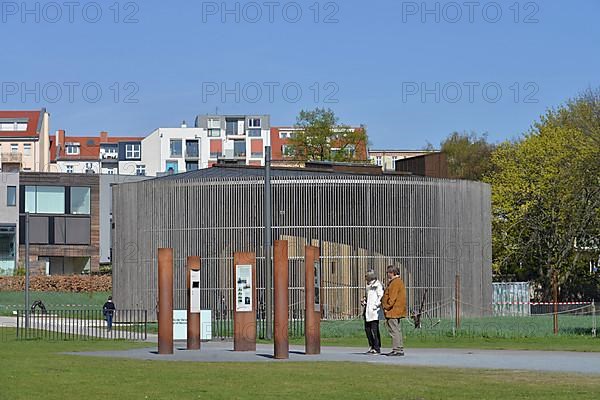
point(55, 283)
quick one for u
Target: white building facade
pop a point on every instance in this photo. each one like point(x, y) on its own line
point(237, 139)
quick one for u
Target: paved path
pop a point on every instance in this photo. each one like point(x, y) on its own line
point(549, 361)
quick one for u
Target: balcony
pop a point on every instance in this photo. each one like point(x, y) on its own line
point(11, 158)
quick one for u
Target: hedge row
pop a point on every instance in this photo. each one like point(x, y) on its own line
point(55, 283)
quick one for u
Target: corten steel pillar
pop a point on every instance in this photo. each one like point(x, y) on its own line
point(244, 314)
point(280, 286)
point(312, 317)
point(165, 301)
point(193, 319)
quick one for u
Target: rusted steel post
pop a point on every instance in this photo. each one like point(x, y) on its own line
point(280, 286)
point(312, 301)
point(165, 301)
point(244, 313)
point(193, 316)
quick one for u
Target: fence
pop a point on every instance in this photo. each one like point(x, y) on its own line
point(432, 229)
point(82, 325)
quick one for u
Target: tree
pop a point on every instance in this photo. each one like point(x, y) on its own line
point(468, 155)
point(320, 136)
point(546, 200)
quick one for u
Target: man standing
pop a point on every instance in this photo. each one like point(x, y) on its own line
point(109, 310)
point(394, 308)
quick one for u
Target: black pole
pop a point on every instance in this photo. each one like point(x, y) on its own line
point(267, 246)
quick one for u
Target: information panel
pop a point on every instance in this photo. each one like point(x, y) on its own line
point(243, 288)
point(317, 286)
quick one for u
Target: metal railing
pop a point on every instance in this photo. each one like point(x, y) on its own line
point(82, 325)
point(222, 323)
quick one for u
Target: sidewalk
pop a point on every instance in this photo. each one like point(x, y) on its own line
point(547, 361)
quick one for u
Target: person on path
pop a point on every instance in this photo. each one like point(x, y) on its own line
point(109, 311)
point(372, 311)
point(394, 308)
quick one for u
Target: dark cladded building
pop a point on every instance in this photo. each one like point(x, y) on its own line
point(434, 165)
point(64, 221)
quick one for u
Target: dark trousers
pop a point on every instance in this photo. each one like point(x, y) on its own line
point(372, 331)
point(109, 319)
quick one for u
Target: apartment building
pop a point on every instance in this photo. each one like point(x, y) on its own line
point(96, 154)
point(281, 150)
point(64, 222)
point(9, 222)
point(24, 140)
point(238, 139)
point(386, 159)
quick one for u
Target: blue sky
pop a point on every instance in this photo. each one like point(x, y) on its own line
point(410, 75)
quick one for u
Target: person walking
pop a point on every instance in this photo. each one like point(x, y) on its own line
point(109, 310)
point(372, 311)
point(394, 308)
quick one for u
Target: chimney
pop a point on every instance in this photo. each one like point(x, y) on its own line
point(103, 137)
point(183, 124)
point(60, 139)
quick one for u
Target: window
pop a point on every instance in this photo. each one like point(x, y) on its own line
point(214, 124)
point(191, 148)
point(27, 149)
point(239, 148)
point(172, 166)
point(72, 149)
point(378, 162)
point(285, 135)
point(231, 127)
point(214, 154)
point(13, 126)
point(140, 170)
point(132, 151)
point(45, 199)
point(175, 148)
point(69, 169)
point(80, 200)
point(214, 132)
point(11, 196)
point(286, 150)
point(254, 122)
point(191, 166)
point(254, 132)
point(14, 148)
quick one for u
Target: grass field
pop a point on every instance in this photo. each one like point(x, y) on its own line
point(10, 301)
point(36, 369)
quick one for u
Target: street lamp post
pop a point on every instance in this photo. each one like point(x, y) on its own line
point(267, 245)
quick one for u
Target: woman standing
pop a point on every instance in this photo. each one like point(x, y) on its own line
point(372, 305)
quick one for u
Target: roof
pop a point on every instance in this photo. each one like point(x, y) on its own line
point(89, 146)
point(247, 171)
point(33, 118)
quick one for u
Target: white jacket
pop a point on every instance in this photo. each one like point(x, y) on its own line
point(374, 294)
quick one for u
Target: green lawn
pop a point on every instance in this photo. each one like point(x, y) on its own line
point(10, 301)
point(36, 369)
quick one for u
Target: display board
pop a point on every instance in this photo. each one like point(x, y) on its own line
point(317, 303)
point(243, 288)
point(180, 325)
point(195, 291)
